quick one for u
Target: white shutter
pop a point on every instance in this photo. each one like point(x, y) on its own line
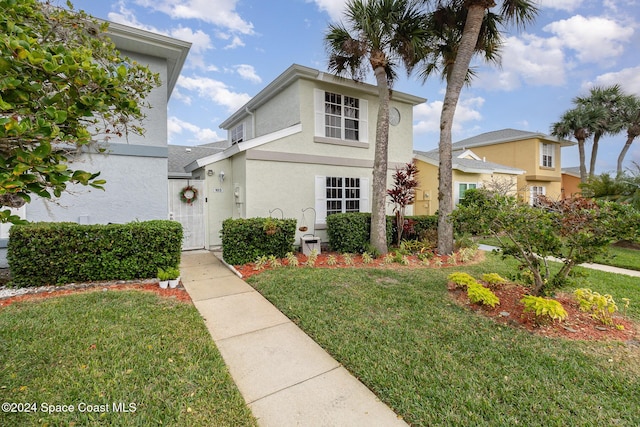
point(321, 199)
point(364, 121)
point(364, 195)
point(318, 102)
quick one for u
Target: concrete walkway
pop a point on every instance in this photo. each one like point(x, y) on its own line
point(284, 376)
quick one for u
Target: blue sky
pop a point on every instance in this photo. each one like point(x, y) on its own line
point(240, 46)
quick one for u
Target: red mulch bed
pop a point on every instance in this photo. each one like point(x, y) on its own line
point(178, 293)
point(578, 325)
point(248, 270)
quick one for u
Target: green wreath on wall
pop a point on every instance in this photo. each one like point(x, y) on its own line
point(189, 194)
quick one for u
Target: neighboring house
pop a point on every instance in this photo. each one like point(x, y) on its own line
point(135, 169)
point(302, 148)
point(469, 172)
point(534, 152)
point(571, 182)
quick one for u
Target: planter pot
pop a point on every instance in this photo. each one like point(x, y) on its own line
point(174, 283)
point(164, 284)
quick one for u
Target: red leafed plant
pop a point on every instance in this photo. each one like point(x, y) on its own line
point(403, 193)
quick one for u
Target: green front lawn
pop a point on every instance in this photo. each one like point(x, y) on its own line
point(108, 352)
point(438, 364)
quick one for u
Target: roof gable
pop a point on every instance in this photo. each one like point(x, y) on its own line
point(506, 135)
point(468, 162)
point(296, 72)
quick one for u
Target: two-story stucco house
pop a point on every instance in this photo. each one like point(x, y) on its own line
point(469, 171)
point(534, 152)
point(135, 169)
point(302, 148)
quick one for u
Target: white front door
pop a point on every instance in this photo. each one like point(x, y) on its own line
point(190, 215)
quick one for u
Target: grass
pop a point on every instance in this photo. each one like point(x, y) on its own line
point(116, 347)
point(617, 256)
point(438, 364)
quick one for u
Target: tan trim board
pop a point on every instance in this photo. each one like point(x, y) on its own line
point(278, 156)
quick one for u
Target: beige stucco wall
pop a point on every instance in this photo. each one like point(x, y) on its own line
point(426, 202)
point(525, 154)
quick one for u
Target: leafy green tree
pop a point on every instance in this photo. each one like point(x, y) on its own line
point(575, 230)
point(378, 36)
point(520, 12)
point(623, 188)
point(62, 84)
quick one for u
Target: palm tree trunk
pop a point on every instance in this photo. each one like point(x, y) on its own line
point(456, 80)
point(630, 138)
point(594, 154)
point(583, 167)
point(378, 237)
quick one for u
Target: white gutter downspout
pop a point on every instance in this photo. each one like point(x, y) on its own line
point(253, 121)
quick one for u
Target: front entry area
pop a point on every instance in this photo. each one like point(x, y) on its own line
point(190, 214)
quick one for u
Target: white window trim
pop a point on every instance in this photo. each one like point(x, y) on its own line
point(363, 127)
point(552, 155)
point(533, 193)
point(456, 189)
point(321, 196)
point(241, 132)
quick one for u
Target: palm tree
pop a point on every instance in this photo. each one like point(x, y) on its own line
point(520, 12)
point(631, 117)
point(579, 123)
point(609, 99)
point(446, 24)
point(380, 34)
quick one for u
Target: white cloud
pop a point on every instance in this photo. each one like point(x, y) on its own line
point(126, 16)
point(568, 5)
point(627, 78)
point(247, 72)
point(428, 116)
point(177, 128)
point(528, 59)
point(214, 90)
point(218, 12)
point(200, 41)
point(235, 42)
point(334, 8)
point(595, 39)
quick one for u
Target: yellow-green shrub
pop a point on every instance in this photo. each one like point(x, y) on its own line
point(601, 307)
point(479, 294)
point(544, 308)
point(462, 280)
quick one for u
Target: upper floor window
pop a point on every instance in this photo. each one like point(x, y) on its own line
point(237, 134)
point(546, 155)
point(340, 117)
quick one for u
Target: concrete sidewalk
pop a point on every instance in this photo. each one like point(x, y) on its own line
point(593, 266)
point(284, 376)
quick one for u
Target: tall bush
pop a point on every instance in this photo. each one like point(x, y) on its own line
point(245, 239)
point(57, 253)
point(349, 232)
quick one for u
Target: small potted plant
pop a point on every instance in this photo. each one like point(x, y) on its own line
point(163, 278)
point(174, 276)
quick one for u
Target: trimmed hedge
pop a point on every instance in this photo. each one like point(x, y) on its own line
point(350, 232)
point(47, 253)
point(245, 239)
point(419, 225)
